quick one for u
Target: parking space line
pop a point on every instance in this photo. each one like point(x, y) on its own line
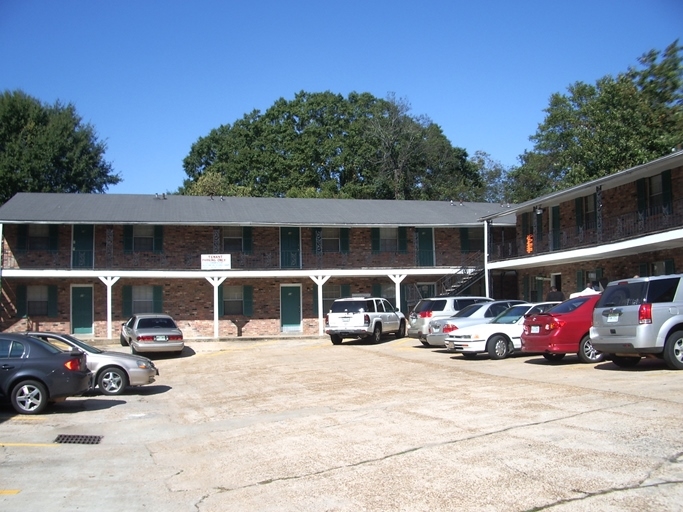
point(32, 445)
point(6, 492)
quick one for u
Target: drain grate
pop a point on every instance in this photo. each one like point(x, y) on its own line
point(75, 439)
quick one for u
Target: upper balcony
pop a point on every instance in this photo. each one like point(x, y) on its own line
point(606, 229)
point(279, 260)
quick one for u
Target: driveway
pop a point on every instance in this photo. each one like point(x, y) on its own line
point(302, 425)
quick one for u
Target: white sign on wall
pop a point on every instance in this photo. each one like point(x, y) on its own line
point(216, 262)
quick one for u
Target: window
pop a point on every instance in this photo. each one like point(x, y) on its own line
point(654, 194)
point(233, 300)
point(38, 237)
point(36, 300)
point(143, 299)
point(233, 240)
point(331, 239)
point(143, 238)
point(388, 239)
point(586, 217)
point(331, 292)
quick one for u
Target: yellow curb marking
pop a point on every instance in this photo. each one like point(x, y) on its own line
point(5, 492)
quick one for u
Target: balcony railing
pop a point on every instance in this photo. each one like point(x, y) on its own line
point(286, 260)
point(606, 230)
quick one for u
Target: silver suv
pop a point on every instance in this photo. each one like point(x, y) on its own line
point(640, 317)
point(430, 309)
point(365, 318)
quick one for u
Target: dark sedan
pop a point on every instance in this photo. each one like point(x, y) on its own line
point(34, 373)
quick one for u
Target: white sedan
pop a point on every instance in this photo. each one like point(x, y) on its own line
point(500, 337)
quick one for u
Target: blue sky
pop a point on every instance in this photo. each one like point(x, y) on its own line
point(152, 76)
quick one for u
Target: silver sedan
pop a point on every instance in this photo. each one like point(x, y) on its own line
point(112, 371)
point(151, 332)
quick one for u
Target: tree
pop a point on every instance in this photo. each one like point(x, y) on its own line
point(599, 129)
point(47, 148)
point(325, 145)
point(493, 178)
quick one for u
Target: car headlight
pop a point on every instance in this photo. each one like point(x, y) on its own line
point(145, 365)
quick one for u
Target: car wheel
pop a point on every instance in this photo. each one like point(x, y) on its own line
point(29, 397)
point(123, 340)
point(553, 358)
point(377, 333)
point(335, 339)
point(673, 350)
point(401, 330)
point(112, 381)
point(625, 361)
point(587, 352)
point(424, 342)
point(498, 347)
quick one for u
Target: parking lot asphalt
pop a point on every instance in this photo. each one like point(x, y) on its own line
point(302, 425)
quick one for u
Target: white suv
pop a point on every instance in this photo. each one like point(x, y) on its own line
point(365, 318)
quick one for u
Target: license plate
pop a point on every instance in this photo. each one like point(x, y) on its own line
point(160, 338)
point(535, 329)
point(612, 319)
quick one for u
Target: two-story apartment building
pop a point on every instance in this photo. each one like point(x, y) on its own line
point(626, 224)
point(232, 266)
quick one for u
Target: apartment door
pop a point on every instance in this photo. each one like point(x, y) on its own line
point(425, 243)
point(81, 310)
point(83, 245)
point(290, 308)
point(290, 248)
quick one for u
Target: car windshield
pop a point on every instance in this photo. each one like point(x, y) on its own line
point(57, 341)
point(511, 315)
point(469, 310)
point(156, 323)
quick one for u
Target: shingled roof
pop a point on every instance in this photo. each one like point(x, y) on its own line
point(55, 208)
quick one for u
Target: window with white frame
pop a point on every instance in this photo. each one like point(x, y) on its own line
point(36, 300)
point(331, 292)
point(233, 300)
point(143, 238)
point(38, 237)
point(143, 299)
point(331, 239)
point(233, 239)
point(388, 239)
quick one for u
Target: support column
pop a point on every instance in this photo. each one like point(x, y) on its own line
point(109, 282)
point(215, 282)
point(397, 279)
point(320, 281)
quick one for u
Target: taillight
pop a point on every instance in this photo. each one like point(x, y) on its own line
point(145, 338)
point(645, 314)
point(327, 320)
point(553, 324)
point(425, 314)
point(449, 328)
point(175, 337)
point(366, 319)
point(73, 364)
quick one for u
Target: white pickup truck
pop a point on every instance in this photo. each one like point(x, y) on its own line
point(364, 318)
